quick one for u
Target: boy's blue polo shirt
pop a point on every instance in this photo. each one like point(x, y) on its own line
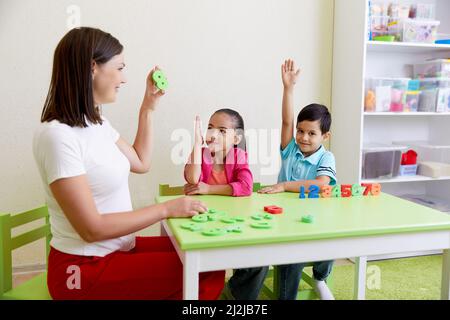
point(295, 167)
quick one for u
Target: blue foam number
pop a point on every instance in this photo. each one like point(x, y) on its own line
point(302, 193)
point(313, 192)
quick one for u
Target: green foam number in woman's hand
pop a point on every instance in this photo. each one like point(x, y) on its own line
point(160, 80)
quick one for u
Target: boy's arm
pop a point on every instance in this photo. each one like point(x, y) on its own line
point(193, 168)
point(289, 77)
point(294, 186)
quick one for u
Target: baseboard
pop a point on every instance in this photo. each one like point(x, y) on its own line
point(29, 268)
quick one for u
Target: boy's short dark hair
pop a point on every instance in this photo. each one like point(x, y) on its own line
point(314, 112)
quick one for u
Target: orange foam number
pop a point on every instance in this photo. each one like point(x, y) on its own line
point(376, 189)
point(346, 190)
point(326, 191)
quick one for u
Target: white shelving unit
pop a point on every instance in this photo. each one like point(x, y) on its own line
point(354, 59)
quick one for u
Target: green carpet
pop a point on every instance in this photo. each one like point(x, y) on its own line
point(417, 278)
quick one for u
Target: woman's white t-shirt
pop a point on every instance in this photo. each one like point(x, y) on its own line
point(62, 151)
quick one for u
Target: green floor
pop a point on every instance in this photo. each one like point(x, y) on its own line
point(417, 278)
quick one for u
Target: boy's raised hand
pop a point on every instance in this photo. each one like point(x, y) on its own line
point(288, 73)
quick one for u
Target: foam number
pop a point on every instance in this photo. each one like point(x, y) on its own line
point(160, 80)
point(376, 189)
point(367, 189)
point(336, 192)
point(346, 191)
point(302, 193)
point(357, 190)
point(313, 192)
point(326, 191)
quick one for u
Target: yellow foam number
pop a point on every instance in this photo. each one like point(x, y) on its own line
point(326, 191)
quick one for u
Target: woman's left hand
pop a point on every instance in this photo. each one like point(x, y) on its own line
point(199, 188)
point(152, 93)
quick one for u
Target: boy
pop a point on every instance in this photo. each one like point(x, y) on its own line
point(305, 162)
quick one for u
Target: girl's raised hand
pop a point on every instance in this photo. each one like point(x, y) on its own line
point(152, 93)
point(198, 132)
point(288, 73)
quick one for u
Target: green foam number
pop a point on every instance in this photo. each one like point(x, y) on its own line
point(357, 190)
point(191, 226)
point(261, 225)
point(308, 219)
point(160, 80)
point(200, 218)
point(214, 232)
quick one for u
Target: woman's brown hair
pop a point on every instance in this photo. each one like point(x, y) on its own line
point(70, 97)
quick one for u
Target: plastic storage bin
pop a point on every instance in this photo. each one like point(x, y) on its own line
point(379, 26)
point(422, 31)
point(428, 151)
point(422, 11)
point(432, 69)
point(435, 95)
point(389, 94)
point(408, 170)
point(381, 161)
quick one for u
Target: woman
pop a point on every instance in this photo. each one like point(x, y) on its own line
point(84, 165)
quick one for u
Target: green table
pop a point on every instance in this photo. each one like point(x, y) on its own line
point(341, 228)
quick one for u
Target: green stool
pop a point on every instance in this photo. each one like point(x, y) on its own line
point(36, 288)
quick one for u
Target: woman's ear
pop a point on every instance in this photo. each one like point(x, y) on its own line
point(94, 69)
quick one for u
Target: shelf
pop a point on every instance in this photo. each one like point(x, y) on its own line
point(406, 114)
point(405, 179)
point(405, 47)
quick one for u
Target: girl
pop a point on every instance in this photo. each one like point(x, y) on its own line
point(84, 165)
point(222, 167)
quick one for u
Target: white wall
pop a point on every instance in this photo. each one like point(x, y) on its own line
point(216, 53)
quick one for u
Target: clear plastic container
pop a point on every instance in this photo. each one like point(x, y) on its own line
point(422, 31)
point(422, 11)
point(435, 95)
point(397, 10)
point(379, 25)
point(381, 161)
point(428, 151)
point(378, 9)
point(412, 101)
point(389, 94)
point(432, 69)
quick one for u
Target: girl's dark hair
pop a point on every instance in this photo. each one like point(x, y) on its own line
point(70, 97)
point(314, 112)
point(238, 125)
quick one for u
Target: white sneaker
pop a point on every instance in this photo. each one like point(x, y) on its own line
point(322, 290)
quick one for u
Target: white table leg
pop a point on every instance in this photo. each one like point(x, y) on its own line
point(360, 278)
point(445, 286)
point(162, 232)
point(190, 276)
